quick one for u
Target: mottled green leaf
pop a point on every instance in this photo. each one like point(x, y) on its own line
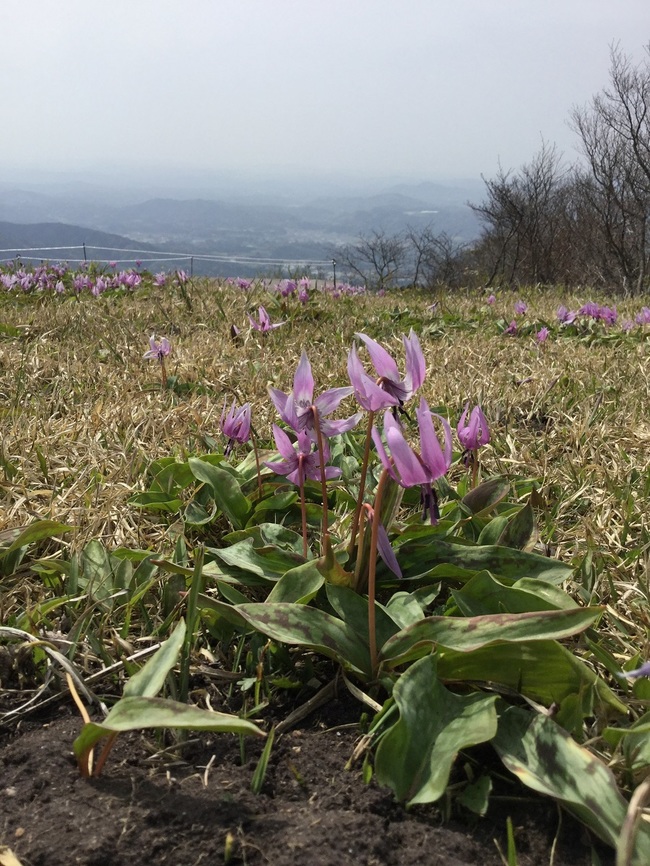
point(306, 626)
point(298, 585)
point(156, 500)
point(486, 495)
point(470, 633)
point(415, 755)
point(419, 556)
point(484, 594)
point(544, 671)
point(548, 760)
point(520, 530)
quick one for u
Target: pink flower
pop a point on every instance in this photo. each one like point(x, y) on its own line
point(158, 349)
point(542, 335)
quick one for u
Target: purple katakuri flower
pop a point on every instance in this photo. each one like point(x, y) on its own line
point(643, 318)
point(520, 307)
point(542, 335)
point(511, 330)
point(409, 468)
point(158, 349)
point(474, 433)
point(297, 408)
point(236, 425)
point(388, 389)
point(299, 463)
point(490, 300)
point(264, 324)
point(564, 316)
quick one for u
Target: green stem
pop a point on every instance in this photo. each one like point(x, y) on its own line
point(372, 567)
point(362, 484)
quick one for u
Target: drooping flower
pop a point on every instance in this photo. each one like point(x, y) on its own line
point(297, 408)
point(542, 335)
point(236, 425)
point(564, 316)
point(410, 468)
point(475, 432)
point(158, 349)
point(511, 330)
point(520, 307)
point(264, 325)
point(643, 318)
point(389, 389)
point(299, 462)
point(490, 300)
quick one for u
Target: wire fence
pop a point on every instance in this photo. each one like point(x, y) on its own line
point(150, 257)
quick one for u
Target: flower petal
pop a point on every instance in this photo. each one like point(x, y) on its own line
point(303, 382)
point(383, 363)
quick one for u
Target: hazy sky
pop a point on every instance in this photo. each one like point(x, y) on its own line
point(425, 88)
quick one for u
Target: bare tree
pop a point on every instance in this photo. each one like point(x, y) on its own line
point(436, 259)
point(614, 132)
point(378, 259)
point(525, 221)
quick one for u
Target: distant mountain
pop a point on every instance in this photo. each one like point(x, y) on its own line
point(37, 237)
point(252, 223)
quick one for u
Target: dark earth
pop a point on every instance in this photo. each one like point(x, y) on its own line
point(194, 805)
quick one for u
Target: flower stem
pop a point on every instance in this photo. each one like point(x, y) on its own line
point(362, 484)
point(323, 482)
point(372, 567)
point(163, 373)
point(303, 512)
point(257, 463)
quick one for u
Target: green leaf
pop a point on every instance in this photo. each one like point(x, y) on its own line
point(486, 496)
point(520, 530)
point(420, 556)
point(405, 608)
point(225, 491)
point(544, 671)
point(470, 633)
point(137, 712)
point(306, 626)
point(156, 500)
point(268, 563)
point(484, 594)
point(545, 758)
point(36, 531)
point(298, 585)
point(415, 755)
point(150, 679)
point(476, 796)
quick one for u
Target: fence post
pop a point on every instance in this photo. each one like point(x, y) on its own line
point(85, 257)
point(334, 270)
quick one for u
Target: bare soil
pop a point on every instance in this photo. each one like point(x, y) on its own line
point(195, 806)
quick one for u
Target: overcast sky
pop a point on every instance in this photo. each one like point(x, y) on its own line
point(431, 89)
